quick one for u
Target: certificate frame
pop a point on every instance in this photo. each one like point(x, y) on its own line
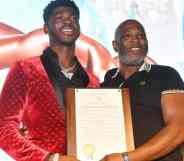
point(71, 120)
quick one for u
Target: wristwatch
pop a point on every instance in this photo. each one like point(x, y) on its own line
point(125, 156)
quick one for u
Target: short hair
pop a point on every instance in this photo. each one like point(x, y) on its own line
point(59, 3)
point(127, 22)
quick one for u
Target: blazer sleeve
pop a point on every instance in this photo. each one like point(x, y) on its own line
point(12, 101)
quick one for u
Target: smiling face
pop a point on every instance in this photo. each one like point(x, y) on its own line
point(63, 26)
point(131, 43)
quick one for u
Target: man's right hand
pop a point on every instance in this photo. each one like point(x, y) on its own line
point(67, 158)
point(60, 157)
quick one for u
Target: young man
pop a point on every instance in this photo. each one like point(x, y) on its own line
point(157, 98)
point(32, 107)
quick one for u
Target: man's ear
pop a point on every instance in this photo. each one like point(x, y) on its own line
point(115, 45)
point(45, 29)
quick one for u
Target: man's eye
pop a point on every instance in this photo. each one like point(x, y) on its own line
point(125, 36)
point(75, 18)
point(141, 35)
point(58, 18)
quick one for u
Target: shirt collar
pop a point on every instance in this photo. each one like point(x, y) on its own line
point(79, 75)
point(144, 67)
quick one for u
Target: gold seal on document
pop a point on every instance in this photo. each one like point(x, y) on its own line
point(89, 150)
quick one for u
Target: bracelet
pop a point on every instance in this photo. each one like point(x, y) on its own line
point(56, 157)
point(125, 156)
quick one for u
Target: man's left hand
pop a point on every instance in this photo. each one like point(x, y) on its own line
point(113, 157)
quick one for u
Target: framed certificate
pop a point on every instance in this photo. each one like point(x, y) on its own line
point(99, 122)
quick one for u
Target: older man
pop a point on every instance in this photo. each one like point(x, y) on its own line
point(157, 98)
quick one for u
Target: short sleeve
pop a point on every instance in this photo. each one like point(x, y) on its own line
point(173, 82)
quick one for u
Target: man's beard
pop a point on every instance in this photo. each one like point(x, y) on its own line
point(124, 59)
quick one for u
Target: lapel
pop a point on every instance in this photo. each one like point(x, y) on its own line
point(57, 78)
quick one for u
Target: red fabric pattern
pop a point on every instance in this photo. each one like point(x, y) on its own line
point(28, 98)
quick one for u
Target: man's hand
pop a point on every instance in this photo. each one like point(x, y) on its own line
point(67, 158)
point(113, 157)
point(60, 157)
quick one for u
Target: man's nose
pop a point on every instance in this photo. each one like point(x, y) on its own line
point(135, 38)
point(67, 21)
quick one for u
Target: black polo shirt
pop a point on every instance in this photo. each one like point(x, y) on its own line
point(146, 87)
